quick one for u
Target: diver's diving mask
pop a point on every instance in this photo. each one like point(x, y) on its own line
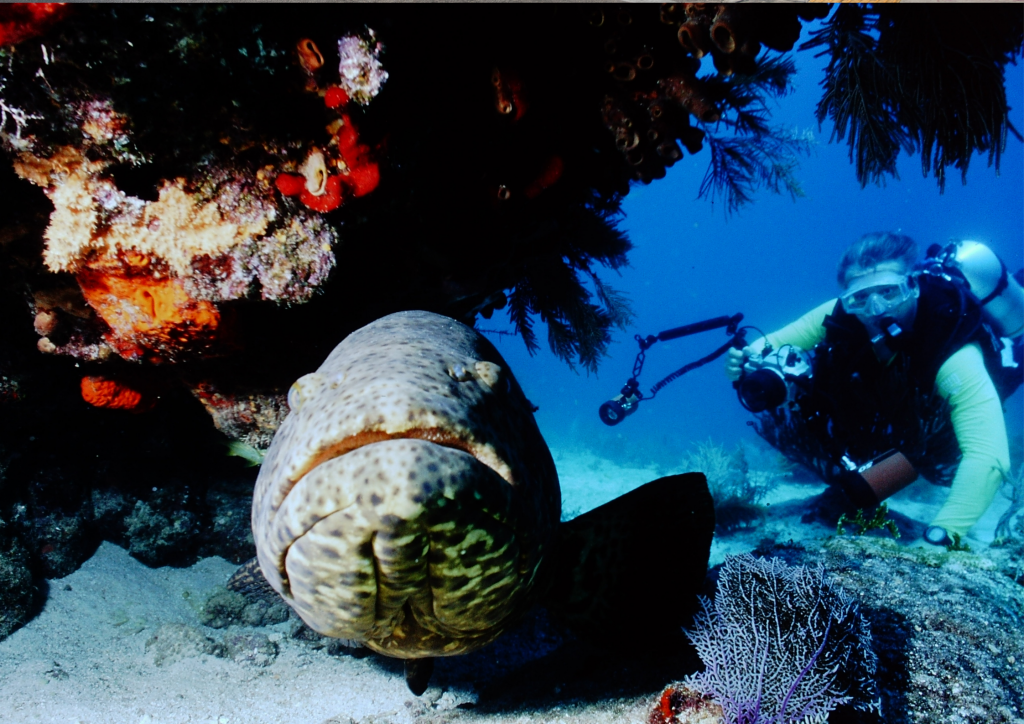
point(876, 294)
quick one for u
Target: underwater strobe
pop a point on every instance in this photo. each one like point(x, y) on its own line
point(627, 401)
point(622, 405)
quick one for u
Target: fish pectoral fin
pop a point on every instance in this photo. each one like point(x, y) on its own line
point(251, 583)
point(632, 568)
point(418, 673)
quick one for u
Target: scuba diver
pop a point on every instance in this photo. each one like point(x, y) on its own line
point(904, 373)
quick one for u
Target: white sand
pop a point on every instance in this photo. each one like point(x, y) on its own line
point(85, 659)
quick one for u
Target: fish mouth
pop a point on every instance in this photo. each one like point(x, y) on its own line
point(360, 537)
point(436, 435)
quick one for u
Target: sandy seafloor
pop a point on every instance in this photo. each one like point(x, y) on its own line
point(122, 643)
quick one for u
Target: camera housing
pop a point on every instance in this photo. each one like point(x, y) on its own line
point(773, 377)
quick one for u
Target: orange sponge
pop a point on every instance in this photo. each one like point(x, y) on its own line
point(21, 21)
point(151, 317)
point(114, 394)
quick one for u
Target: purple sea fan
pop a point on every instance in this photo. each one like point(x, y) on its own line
point(782, 645)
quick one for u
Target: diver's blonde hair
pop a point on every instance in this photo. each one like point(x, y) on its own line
point(873, 249)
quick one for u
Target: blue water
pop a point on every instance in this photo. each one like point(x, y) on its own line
point(772, 261)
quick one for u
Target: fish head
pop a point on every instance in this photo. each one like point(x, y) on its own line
point(408, 499)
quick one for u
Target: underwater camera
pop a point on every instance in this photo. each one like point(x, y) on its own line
point(773, 377)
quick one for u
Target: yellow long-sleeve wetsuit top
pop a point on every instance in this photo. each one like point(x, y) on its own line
point(976, 412)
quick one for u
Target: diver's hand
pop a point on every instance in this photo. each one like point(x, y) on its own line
point(734, 361)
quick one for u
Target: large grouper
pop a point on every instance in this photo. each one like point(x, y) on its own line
point(409, 503)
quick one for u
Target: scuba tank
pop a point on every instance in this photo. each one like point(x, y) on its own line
point(1001, 296)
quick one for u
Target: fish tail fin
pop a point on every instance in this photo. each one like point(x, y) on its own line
point(636, 563)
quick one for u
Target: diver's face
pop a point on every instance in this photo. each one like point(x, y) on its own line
point(879, 292)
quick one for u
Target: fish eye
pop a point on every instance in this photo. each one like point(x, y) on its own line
point(294, 397)
point(458, 372)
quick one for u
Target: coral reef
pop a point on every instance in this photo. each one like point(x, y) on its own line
point(946, 627)
point(249, 417)
point(153, 271)
point(300, 125)
point(209, 197)
point(297, 124)
point(361, 79)
point(783, 644)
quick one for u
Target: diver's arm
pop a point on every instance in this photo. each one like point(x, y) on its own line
point(981, 433)
point(804, 333)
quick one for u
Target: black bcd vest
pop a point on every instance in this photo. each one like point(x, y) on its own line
point(861, 407)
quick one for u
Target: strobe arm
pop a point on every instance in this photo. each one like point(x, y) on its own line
point(628, 400)
point(732, 328)
point(707, 325)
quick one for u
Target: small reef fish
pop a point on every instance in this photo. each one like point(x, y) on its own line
point(251, 455)
point(408, 502)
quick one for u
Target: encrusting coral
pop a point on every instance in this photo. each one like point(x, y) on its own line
point(356, 170)
point(153, 271)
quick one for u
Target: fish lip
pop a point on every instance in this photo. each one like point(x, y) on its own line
point(435, 435)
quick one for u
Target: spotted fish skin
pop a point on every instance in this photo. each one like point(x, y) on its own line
point(408, 499)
